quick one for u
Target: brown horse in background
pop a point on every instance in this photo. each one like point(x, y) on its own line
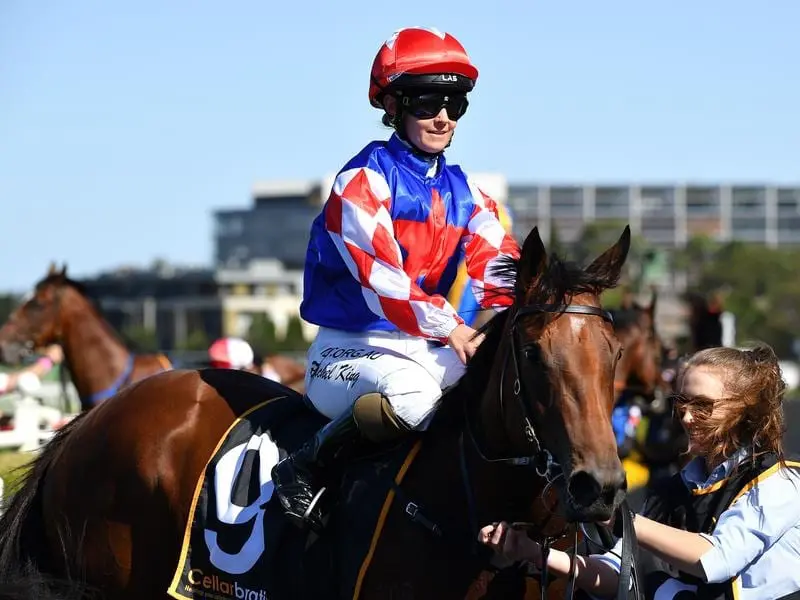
point(291, 372)
point(640, 379)
point(59, 312)
point(639, 370)
point(524, 436)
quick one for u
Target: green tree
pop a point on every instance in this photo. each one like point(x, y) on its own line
point(196, 340)
point(294, 338)
point(699, 250)
point(8, 302)
point(760, 287)
point(140, 339)
point(556, 246)
point(261, 335)
point(612, 299)
point(598, 236)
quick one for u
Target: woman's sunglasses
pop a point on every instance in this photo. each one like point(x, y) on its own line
point(427, 106)
point(680, 402)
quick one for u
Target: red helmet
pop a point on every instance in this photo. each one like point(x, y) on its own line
point(230, 353)
point(418, 57)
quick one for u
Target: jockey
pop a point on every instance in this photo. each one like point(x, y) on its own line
point(231, 353)
point(29, 377)
point(382, 256)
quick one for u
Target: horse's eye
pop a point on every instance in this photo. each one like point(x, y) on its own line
point(532, 353)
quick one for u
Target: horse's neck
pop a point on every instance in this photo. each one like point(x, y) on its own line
point(93, 354)
point(500, 490)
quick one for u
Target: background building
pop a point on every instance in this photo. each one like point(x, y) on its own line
point(171, 303)
point(260, 287)
point(666, 215)
point(275, 227)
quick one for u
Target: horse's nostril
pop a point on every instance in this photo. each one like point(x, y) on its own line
point(583, 488)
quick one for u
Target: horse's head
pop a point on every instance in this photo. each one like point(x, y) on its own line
point(558, 355)
point(639, 368)
point(37, 322)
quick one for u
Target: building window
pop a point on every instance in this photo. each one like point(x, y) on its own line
point(612, 202)
point(566, 201)
point(789, 223)
point(658, 201)
point(789, 201)
point(524, 202)
point(702, 201)
point(230, 225)
point(751, 200)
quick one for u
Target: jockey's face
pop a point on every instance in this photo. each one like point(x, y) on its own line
point(430, 135)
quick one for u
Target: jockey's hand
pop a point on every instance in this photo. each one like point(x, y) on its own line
point(512, 544)
point(462, 339)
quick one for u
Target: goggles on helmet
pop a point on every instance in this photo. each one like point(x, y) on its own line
point(427, 106)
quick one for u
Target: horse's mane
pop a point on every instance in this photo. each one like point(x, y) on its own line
point(560, 280)
point(60, 279)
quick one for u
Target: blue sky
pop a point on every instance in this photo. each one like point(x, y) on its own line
point(123, 124)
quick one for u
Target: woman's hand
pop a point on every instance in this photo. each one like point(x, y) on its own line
point(54, 353)
point(512, 544)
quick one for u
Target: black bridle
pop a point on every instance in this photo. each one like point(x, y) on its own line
point(542, 459)
point(543, 456)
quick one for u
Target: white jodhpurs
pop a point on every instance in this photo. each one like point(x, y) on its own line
point(409, 371)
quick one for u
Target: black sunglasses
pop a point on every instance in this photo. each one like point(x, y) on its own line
point(427, 106)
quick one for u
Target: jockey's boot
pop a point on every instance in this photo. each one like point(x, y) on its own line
point(297, 478)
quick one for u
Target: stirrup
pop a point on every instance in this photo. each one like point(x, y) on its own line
point(308, 520)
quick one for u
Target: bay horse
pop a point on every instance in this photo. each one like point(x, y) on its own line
point(525, 435)
point(58, 311)
point(639, 378)
point(290, 372)
point(639, 370)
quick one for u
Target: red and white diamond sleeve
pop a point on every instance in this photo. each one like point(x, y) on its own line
point(486, 242)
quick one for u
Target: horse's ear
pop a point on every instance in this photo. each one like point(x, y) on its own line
point(52, 268)
point(627, 299)
point(607, 267)
point(532, 262)
point(64, 270)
